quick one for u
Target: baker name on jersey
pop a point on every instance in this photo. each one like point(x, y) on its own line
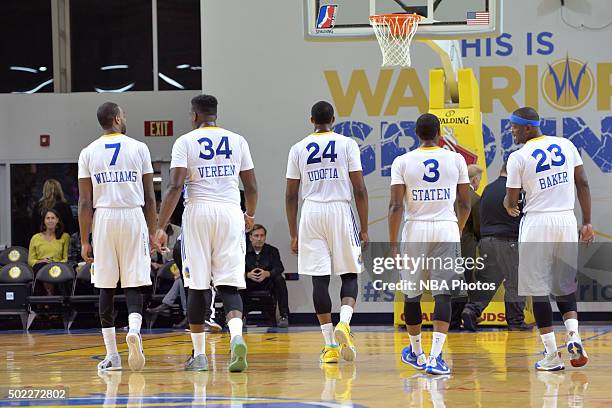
point(322, 174)
point(121, 176)
point(224, 170)
point(553, 180)
point(431, 194)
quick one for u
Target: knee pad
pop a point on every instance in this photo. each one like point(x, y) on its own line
point(567, 303)
point(442, 308)
point(542, 312)
point(231, 298)
point(412, 311)
point(320, 294)
point(106, 307)
point(133, 298)
point(349, 285)
point(196, 306)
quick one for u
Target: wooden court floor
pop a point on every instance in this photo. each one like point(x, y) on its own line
point(490, 369)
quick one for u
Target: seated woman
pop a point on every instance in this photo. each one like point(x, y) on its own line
point(49, 245)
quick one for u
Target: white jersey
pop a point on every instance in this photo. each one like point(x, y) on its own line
point(322, 161)
point(544, 168)
point(116, 163)
point(214, 158)
point(431, 175)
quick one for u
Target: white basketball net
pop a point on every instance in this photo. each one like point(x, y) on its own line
point(394, 33)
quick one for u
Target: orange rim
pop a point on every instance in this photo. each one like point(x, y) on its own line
point(383, 18)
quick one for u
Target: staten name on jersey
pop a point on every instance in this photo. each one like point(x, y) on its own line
point(322, 174)
point(122, 176)
point(553, 180)
point(431, 194)
point(225, 170)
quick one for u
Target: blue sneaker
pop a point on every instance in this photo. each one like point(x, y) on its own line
point(437, 366)
point(408, 357)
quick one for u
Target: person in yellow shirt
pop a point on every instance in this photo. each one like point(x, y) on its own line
point(49, 245)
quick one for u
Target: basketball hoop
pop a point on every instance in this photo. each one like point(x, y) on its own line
point(394, 33)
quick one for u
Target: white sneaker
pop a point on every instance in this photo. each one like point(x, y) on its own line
point(136, 358)
point(110, 363)
point(213, 326)
point(550, 362)
point(578, 356)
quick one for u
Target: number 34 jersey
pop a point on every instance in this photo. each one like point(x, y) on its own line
point(544, 168)
point(214, 158)
point(431, 175)
point(322, 162)
point(116, 163)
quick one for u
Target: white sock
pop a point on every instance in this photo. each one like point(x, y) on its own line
point(437, 342)
point(417, 346)
point(235, 327)
point(135, 321)
point(346, 312)
point(199, 343)
point(109, 341)
point(328, 334)
point(550, 343)
point(572, 327)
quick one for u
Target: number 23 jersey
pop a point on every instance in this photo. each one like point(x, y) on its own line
point(544, 168)
point(116, 163)
point(431, 175)
point(322, 161)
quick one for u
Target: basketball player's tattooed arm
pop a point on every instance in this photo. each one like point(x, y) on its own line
point(464, 205)
point(85, 217)
point(149, 205)
point(250, 197)
point(173, 195)
point(511, 201)
point(291, 206)
point(584, 198)
point(396, 211)
point(361, 201)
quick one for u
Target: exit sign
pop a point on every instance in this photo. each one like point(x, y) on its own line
point(158, 128)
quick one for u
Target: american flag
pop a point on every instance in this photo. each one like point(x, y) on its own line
point(477, 18)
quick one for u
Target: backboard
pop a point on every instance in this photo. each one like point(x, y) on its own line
point(330, 20)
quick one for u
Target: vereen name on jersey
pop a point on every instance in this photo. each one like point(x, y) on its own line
point(224, 170)
point(553, 180)
point(121, 176)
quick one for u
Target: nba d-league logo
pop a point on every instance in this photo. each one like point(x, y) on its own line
point(326, 19)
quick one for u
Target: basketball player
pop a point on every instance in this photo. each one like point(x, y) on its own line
point(209, 161)
point(116, 178)
point(326, 165)
point(428, 179)
point(547, 169)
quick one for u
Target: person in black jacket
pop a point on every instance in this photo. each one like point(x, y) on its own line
point(264, 271)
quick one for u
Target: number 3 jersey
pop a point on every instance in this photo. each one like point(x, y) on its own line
point(322, 161)
point(116, 163)
point(214, 158)
point(544, 168)
point(431, 175)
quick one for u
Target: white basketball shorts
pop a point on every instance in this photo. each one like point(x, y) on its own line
point(328, 239)
point(213, 245)
point(121, 248)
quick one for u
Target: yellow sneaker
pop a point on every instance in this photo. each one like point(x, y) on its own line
point(330, 354)
point(344, 338)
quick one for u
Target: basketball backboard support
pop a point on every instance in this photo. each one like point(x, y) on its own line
point(334, 20)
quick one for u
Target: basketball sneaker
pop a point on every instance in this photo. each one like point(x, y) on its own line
point(136, 358)
point(344, 338)
point(330, 354)
point(578, 356)
point(550, 362)
point(238, 362)
point(408, 357)
point(213, 326)
point(110, 363)
point(437, 366)
point(197, 363)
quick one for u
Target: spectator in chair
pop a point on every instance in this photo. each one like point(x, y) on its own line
point(53, 199)
point(49, 245)
point(264, 271)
